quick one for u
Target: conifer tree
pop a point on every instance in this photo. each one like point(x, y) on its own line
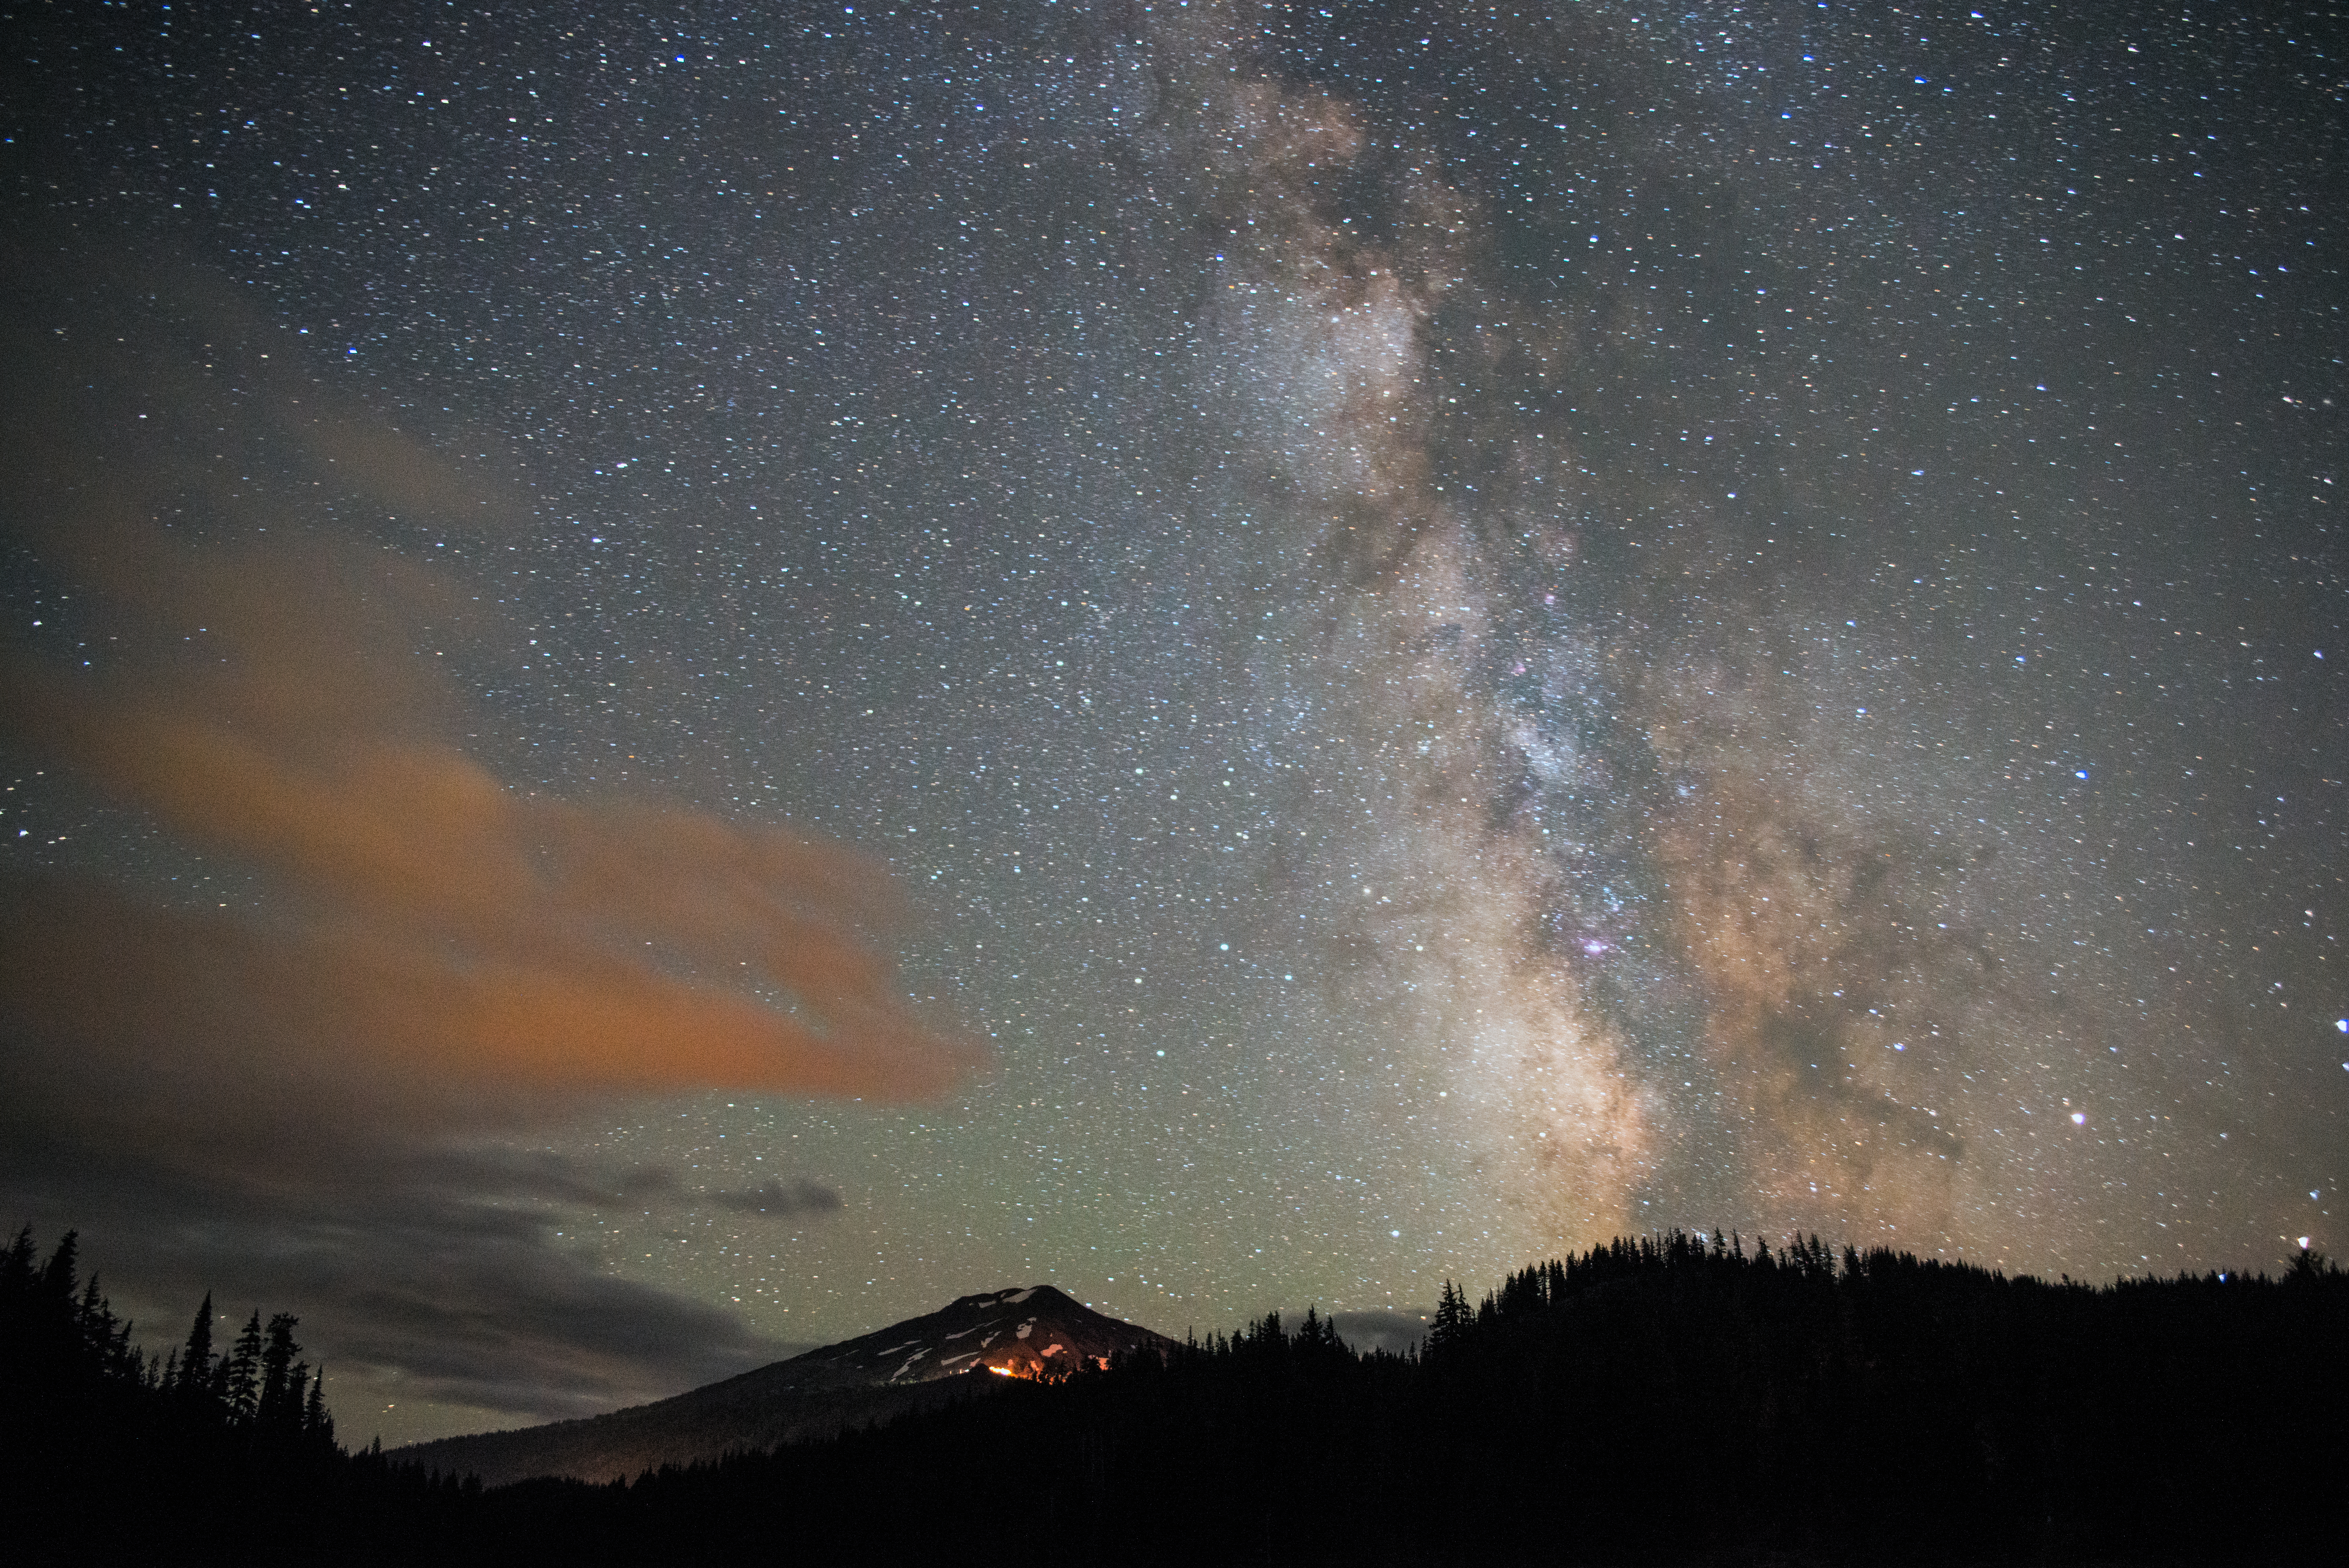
point(241, 1379)
point(16, 1264)
point(58, 1275)
point(196, 1358)
point(279, 1404)
point(316, 1424)
point(1450, 1318)
point(105, 1338)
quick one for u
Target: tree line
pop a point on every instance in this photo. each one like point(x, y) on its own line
point(1667, 1399)
point(259, 1388)
point(194, 1456)
point(1664, 1399)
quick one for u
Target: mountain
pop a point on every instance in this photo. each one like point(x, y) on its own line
point(953, 1352)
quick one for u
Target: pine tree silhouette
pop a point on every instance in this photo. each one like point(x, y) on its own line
point(318, 1426)
point(1450, 1319)
point(195, 1377)
point(58, 1275)
point(279, 1405)
point(16, 1266)
point(241, 1390)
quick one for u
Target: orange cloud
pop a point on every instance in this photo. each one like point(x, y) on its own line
point(429, 916)
point(280, 704)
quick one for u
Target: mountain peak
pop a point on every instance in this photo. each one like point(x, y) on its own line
point(1025, 1332)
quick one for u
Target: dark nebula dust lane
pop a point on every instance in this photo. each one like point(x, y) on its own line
point(1230, 655)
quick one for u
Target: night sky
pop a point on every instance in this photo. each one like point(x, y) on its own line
point(680, 680)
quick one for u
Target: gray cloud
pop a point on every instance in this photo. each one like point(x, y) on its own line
point(426, 1282)
point(1380, 1328)
point(801, 1197)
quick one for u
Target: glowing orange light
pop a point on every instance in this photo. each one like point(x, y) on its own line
point(1003, 1372)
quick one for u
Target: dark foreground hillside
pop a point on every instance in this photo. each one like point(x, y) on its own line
point(1663, 1401)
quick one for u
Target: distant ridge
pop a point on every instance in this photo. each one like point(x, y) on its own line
point(953, 1352)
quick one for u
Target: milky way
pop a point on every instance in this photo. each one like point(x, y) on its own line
point(1463, 630)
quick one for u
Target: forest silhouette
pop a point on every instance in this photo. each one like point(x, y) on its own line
point(1672, 1398)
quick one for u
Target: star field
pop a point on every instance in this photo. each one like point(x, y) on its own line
point(1463, 628)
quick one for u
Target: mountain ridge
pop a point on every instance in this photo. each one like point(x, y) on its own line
point(1022, 1332)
